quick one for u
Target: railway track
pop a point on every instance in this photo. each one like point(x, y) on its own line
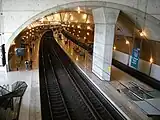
point(64, 92)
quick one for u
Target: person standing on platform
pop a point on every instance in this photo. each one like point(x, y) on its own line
point(27, 64)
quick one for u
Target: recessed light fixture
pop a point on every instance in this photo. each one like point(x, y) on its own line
point(88, 27)
point(84, 16)
point(78, 26)
point(151, 60)
point(127, 42)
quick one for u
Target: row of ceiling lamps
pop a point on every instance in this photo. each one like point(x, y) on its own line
point(71, 18)
point(78, 32)
point(78, 35)
point(78, 26)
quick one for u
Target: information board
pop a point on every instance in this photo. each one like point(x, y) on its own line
point(135, 58)
point(20, 51)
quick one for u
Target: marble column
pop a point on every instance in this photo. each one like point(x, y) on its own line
point(105, 20)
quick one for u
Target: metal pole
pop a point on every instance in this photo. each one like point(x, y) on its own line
point(128, 54)
point(150, 69)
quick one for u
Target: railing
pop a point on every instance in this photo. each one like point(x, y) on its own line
point(10, 101)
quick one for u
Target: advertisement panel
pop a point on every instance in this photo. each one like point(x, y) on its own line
point(135, 58)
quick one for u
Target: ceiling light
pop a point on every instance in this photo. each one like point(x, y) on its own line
point(84, 16)
point(78, 26)
point(77, 58)
point(88, 21)
point(87, 33)
point(142, 33)
point(151, 60)
point(127, 42)
point(88, 27)
point(78, 9)
point(71, 18)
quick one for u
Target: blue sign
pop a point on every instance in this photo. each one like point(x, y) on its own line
point(20, 51)
point(135, 58)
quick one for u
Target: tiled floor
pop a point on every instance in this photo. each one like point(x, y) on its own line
point(30, 106)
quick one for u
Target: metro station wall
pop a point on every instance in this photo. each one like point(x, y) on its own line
point(155, 72)
point(121, 57)
point(143, 66)
point(148, 48)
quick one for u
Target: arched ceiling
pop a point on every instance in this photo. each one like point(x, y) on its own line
point(130, 24)
point(83, 15)
point(127, 21)
point(66, 17)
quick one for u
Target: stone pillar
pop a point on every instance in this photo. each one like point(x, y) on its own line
point(105, 20)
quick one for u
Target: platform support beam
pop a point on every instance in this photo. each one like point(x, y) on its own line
point(105, 21)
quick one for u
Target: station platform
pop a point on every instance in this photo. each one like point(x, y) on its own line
point(136, 99)
point(30, 105)
point(115, 91)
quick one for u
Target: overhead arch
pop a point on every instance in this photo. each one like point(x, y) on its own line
point(91, 4)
